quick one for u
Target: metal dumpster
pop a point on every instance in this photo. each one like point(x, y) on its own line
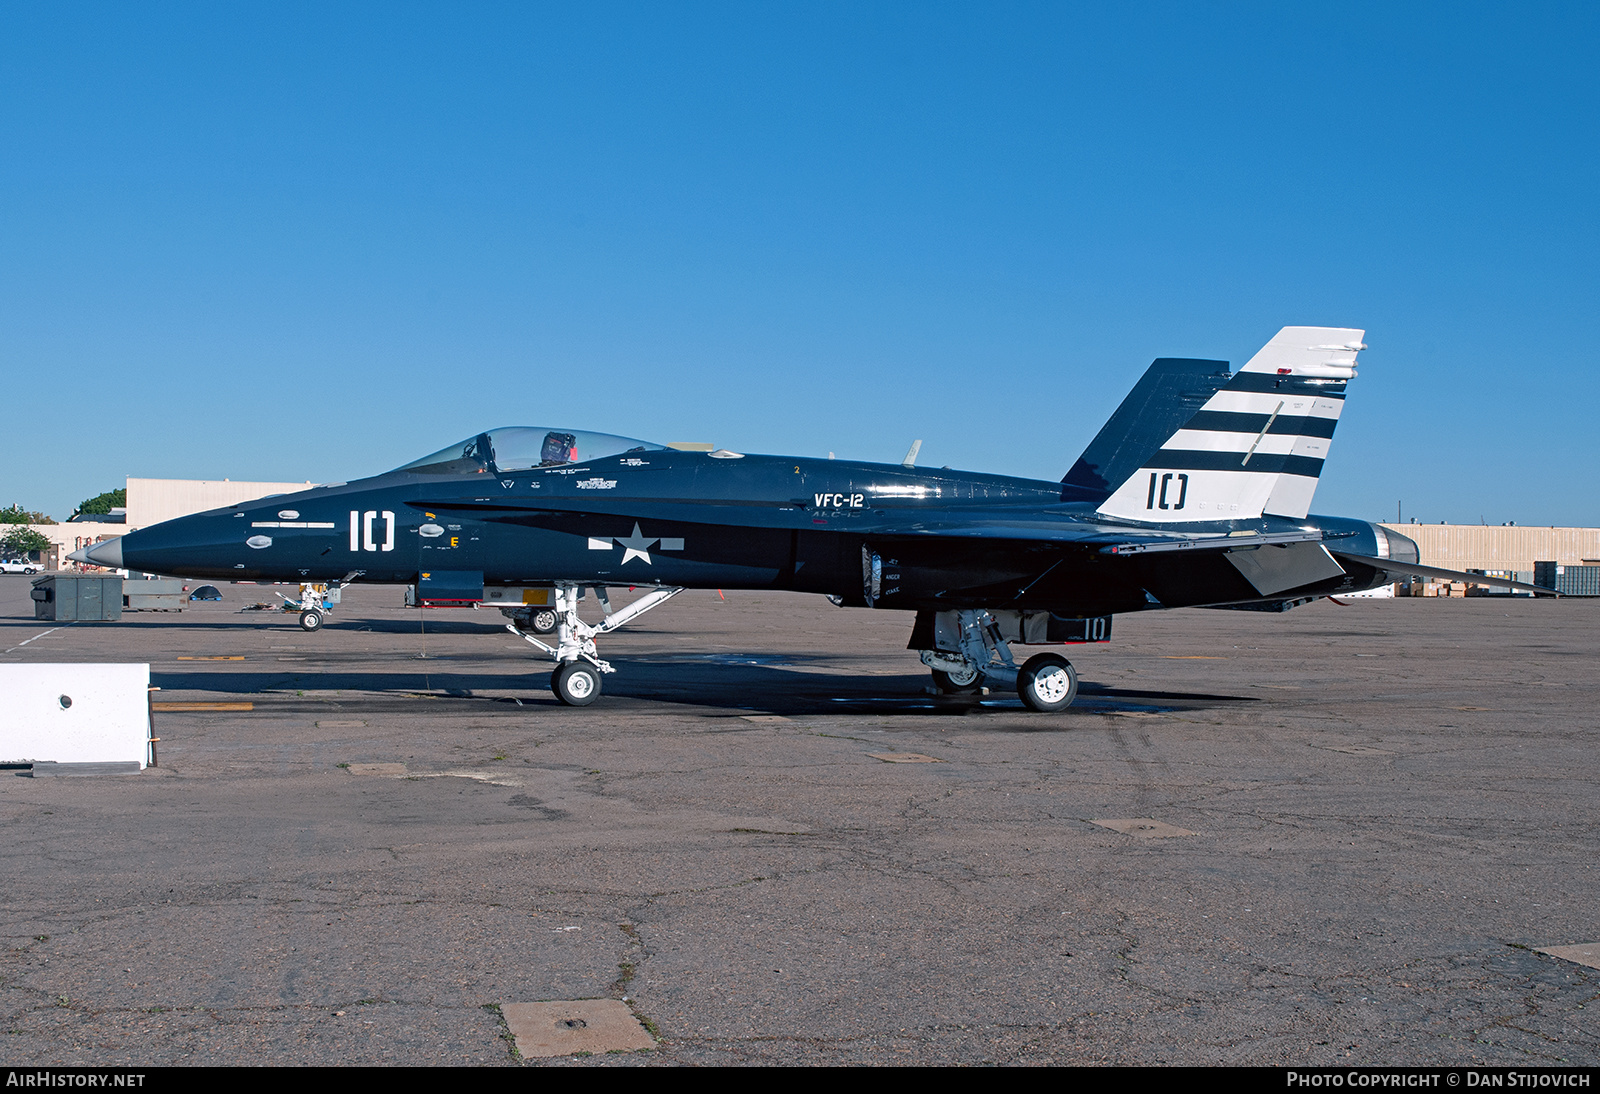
point(164, 594)
point(66, 598)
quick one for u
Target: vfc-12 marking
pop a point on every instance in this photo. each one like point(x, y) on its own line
point(839, 501)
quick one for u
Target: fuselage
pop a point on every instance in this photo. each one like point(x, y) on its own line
point(712, 520)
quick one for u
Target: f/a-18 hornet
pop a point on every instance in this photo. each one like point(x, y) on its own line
point(1195, 494)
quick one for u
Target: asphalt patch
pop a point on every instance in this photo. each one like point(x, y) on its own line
point(573, 1027)
point(1143, 828)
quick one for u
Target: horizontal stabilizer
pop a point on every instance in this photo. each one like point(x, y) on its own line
point(1389, 565)
point(1275, 568)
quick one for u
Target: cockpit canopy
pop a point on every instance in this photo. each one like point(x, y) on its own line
point(520, 447)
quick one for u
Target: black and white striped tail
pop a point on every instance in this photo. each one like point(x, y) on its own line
point(1258, 444)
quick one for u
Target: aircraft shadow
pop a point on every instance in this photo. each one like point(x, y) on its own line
point(724, 685)
point(288, 623)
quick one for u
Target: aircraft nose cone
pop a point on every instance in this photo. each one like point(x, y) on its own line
point(107, 554)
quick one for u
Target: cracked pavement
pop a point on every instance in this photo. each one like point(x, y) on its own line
point(1393, 805)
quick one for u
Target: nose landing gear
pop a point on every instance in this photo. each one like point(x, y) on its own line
point(313, 605)
point(315, 598)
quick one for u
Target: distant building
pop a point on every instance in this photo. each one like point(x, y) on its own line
point(1501, 549)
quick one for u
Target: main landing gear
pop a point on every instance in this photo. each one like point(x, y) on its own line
point(576, 680)
point(972, 652)
point(1047, 682)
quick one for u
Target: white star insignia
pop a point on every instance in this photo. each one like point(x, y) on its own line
point(636, 546)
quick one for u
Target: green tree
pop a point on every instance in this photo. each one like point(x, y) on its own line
point(101, 504)
point(20, 541)
point(16, 514)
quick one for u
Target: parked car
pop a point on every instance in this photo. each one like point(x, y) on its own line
point(18, 566)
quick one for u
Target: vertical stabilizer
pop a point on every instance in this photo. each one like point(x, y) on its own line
point(1166, 396)
point(1257, 445)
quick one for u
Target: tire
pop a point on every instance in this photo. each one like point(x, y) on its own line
point(311, 620)
point(576, 683)
point(543, 621)
point(952, 685)
point(1047, 683)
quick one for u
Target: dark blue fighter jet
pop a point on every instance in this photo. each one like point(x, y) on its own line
point(1195, 494)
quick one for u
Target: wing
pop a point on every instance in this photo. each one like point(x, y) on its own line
point(1035, 524)
point(993, 555)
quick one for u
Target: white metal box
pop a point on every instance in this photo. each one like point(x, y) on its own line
point(75, 714)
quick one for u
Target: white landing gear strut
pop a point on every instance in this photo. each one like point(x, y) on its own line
point(972, 651)
point(576, 680)
point(311, 607)
point(315, 598)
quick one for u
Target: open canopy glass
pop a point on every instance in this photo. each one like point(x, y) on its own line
point(519, 447)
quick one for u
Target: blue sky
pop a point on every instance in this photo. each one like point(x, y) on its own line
point(290, 243)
